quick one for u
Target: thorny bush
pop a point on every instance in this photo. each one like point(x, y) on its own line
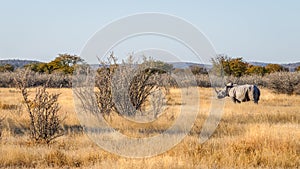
point(45, 124)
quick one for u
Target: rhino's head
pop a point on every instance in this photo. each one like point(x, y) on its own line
point(221, 93)
point(224, 92)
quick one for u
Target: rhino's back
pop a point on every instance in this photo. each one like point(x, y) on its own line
point(242, 92)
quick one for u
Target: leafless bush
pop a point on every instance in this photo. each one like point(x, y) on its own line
point(297, 89)
point(253, 79)
point(104, 89)
point(131, 84)
point(123, 88)
point(203, 80)
point(247, 79)
point(7, 79)
point(157, 103)
point(283, 82)
point(45, 124)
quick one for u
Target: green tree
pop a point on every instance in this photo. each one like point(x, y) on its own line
point(163, 66)
point(271, 68)
point(257, 70)
point(7, 68)
point(64, 63)
point(229, 66)
point(32, 67)
point(238, 67)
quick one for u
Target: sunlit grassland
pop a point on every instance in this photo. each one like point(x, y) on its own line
point(249, 136)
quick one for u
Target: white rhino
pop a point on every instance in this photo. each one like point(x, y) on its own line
point(240, 93)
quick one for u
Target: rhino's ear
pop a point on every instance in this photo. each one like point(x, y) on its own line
point(216, 90)
point(229, 84)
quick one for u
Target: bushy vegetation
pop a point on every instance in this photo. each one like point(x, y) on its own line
point(60, 70)
point(284, 82)
point(256, 70)
point(197, 70)
point(227, 66)
point(258, 136)
point(126, 87)
point(64, 63)
point(7, 68)
point(45, 124)
point(246, 133)
point(35, 79)
point(271, 68)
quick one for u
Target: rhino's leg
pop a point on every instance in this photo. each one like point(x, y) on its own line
point(256, 98)
point(256, 94)
point(246, 97)
point(235, 100)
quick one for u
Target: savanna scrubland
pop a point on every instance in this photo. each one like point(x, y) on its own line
point(248, 136)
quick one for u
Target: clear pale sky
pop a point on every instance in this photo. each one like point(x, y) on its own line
point(257, 30)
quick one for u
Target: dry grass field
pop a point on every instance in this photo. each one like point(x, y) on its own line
point(249, 136)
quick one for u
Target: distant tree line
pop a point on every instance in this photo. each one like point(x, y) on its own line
point(227, 66)
point(222, 64)
point(59, 71)
point(236, 70)
point(64, 63)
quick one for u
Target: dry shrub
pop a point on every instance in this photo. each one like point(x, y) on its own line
point(283, 82)
point(45, 124)
point(248, 79)
point(203, 80)
point(7, 79)
point(103, 85)
point(297, 89)
point(123, 88)
point(133, 86)
point(58, 80)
